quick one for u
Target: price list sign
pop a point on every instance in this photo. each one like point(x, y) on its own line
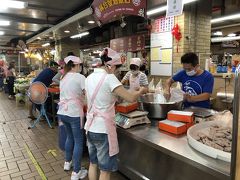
point(163, 24)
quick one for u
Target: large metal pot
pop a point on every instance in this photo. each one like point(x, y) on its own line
point(157, 110)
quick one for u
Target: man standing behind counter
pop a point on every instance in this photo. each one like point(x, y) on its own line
point(196, 83)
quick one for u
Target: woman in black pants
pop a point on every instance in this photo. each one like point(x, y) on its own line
point(11, 75)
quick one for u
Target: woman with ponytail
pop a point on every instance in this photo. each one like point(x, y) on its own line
point(72, 88)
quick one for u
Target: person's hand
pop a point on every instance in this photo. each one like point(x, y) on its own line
point(137, 88)
point(142, 90)
point(187, 97)
point(167, 94)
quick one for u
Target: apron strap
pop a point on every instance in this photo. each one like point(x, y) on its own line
point(95, 92)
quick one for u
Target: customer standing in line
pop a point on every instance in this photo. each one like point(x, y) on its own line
point(101, 88)
point(11, 76)
point(72, 88)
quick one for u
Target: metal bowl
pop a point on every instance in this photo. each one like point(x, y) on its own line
point(156, 109)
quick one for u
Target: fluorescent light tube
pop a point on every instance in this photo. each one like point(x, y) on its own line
point(164, 8)
point(224, 18)
point(2, 33)
point(91, 22)
point(13, 4)
point(4, 23)
point(222, 39)
point(218, 33)
point(46, 44)
point(231, 35)
point(79, 35)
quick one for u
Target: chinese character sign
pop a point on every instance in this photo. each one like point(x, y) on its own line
point(104, 10)
point(174, 7)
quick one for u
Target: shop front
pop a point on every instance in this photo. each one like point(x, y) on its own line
point(156, 142)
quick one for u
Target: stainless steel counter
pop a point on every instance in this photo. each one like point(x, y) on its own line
point(167, 150)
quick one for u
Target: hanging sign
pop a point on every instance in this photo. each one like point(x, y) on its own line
point(174, 7)
point(128, 44)
point(104, 10)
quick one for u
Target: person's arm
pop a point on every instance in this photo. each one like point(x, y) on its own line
point(56, 78)
point(167, 88)
point(176, 78)
point(207, 91)
point(126, 95)
point(197, 98)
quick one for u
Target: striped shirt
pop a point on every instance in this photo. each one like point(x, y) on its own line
point(143, 78)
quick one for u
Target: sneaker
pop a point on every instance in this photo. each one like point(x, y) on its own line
point(80, 175)
point(67, 166)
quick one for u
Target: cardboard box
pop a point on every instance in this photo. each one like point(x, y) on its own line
point(181, 116)
point(126, 107)
point(173, 127)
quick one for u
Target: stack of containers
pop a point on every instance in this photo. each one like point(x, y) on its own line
point(177, 122)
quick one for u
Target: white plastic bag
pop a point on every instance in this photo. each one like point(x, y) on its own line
point(151, 86)
point(178, 86)
point(176, 95)
point(159, 98)
point(159, 87)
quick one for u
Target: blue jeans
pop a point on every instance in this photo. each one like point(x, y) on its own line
point(74, 142)
point(98, 149)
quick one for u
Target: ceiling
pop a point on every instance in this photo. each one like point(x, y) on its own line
point(37, 16)
point(224, 8)
point(40, 15)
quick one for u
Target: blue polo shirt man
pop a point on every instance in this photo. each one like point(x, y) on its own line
point(47, 74)
point(196, 83)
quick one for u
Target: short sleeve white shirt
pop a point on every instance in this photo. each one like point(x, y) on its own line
point(71, 90)
point(104, 97)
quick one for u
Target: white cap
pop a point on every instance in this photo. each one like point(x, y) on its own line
point(135, 61)
point(74, 59)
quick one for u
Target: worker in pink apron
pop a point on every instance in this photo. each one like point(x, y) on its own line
point(72, 89)
point(102, 87)
point(135, 78)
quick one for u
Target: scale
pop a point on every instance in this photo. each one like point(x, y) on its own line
point(131, 119)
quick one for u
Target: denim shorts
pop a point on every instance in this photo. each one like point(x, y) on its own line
point(98, 148)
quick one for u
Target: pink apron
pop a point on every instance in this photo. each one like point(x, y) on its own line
point(79, 102)
point(134, 82)
point(108, 116)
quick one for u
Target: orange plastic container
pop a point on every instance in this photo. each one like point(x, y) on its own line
point(173, 127)
point(126, 107)
point(181, 116)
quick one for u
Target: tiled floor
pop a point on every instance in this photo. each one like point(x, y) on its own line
point(15, 163)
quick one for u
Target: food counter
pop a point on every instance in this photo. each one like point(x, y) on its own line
point(147, 153)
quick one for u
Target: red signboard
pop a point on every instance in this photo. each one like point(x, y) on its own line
point(104, 10)
point(128, 44)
